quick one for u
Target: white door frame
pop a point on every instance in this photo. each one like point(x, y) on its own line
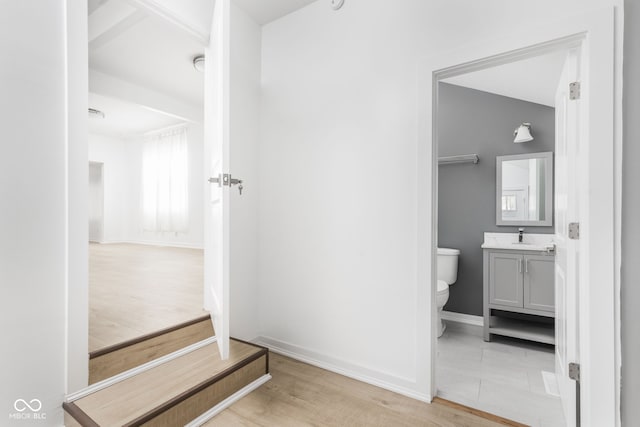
point(77, 89)
point(594, 33)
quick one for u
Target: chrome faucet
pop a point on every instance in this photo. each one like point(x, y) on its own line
point(520, 234)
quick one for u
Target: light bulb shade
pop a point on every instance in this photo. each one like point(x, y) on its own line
point(523, 133)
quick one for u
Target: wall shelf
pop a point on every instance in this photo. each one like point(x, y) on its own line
point(464, 158)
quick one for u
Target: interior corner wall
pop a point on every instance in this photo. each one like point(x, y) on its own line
point(630, 292)
point(338, 257)
point(476, 122)
point(33, 220)
point(112, 153)
point(246, 45)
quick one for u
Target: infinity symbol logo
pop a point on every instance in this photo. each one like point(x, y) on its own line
point(21, 405)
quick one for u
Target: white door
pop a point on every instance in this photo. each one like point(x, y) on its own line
point(216, 242)
point(567, 255)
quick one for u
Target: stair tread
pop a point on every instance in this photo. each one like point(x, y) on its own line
point(136, 396)
point(113, 360)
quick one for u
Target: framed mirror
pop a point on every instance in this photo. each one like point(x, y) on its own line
point(524, 189)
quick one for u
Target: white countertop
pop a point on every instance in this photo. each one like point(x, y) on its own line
point(531, 242)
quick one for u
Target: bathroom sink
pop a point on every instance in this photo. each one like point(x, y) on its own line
point(532, 242)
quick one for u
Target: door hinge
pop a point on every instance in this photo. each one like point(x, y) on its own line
point(574, 91)
point(574, 371)
point(574, 230)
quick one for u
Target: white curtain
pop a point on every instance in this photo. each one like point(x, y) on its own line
point(165, 185)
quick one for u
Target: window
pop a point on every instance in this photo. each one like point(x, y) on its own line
point(509, 203)
point(165, 181)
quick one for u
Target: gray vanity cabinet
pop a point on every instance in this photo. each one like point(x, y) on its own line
point(506, 279)
point(521, 282)
point(539, 289)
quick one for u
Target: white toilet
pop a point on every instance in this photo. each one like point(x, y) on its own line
point(447, 275)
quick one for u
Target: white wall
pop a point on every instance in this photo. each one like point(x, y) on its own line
point(244, 134)
point(112, 153)
point(34, 279)
point(122, 160)
point(338, 174)
point(96, 202)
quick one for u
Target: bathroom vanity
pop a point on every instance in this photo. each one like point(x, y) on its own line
point(519, 278)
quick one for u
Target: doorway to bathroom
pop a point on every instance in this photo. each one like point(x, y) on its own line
point(509, 370)
point(479, 363)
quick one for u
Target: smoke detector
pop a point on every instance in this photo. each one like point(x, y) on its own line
point(336, 4)
point(198, 63)
point(93, 113)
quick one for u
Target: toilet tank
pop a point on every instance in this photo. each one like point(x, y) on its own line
point(448, 265)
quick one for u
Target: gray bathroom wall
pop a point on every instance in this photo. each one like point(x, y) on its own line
point(630, 292)
point(471, 121)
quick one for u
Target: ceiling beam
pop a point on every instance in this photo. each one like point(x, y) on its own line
point(110, 19)
point(117, 29)
point(178, 15)
point(104, 84)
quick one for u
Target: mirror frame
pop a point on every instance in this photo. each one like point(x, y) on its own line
point(549, 190)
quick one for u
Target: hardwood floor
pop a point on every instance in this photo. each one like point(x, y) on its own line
point(300, 394)
point(138, 289)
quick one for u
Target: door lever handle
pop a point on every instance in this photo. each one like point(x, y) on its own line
point(226, 179)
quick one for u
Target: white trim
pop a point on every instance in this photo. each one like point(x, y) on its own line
point(138, 370)
point(229, 401)
point(151, 243)
point(467, 319)
point(378, 379)
point(594, 31)
point(156, 8)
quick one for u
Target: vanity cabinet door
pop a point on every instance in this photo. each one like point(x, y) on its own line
point(539, 288)
point(506, 279)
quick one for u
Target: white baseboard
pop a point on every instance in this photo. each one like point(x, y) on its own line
point(467, 319)
point(153, 243)
point(389, 382)
point(228, 401)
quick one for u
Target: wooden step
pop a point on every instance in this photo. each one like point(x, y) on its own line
point(112, 360)
point(176, 392)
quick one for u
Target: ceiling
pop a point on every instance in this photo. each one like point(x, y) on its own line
point(138, 46)
point(147, 51)
point(534, 80)
point(142, 49)
point(265, 11)
point(125, 120)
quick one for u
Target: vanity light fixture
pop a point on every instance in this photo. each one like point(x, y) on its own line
point(198, 63)
point(523, 133)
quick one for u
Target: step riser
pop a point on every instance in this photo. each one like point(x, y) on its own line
point(174, 391)
point(103, 365)
point(194, 406)
point(69, 421)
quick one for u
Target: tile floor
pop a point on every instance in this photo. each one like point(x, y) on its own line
point(503, 377)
